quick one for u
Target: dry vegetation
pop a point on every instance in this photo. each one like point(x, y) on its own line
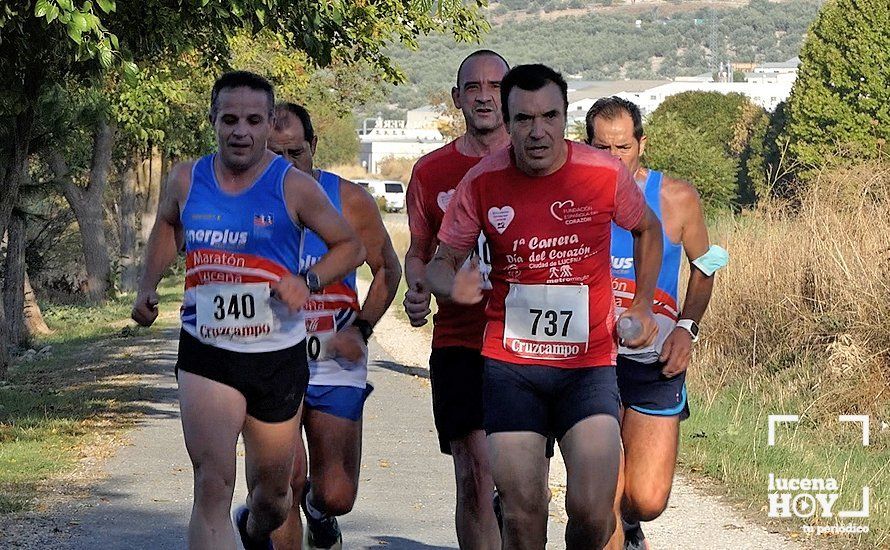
point(397, 169)
point(798, 325)
point(804, 299)
point(390, 169)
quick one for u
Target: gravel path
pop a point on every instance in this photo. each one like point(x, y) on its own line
point(406, 499)
point(693, 520)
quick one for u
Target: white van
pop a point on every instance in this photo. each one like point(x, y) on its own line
point(393, 192)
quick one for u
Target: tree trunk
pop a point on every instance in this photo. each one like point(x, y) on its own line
point(14, 278)
point(12, 178)
point(91, 219)
point(129, 264)
point(155, 168)
point(86, 203)
point(34, 323)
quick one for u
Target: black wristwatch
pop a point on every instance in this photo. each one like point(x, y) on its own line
point(364, 328)
point(312, 282)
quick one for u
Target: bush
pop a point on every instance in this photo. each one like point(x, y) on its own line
point(707, 139)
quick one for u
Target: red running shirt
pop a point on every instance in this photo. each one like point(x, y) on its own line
point(432, 186)
point(549, 239)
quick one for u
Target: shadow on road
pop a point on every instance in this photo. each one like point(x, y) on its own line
point(128, 529)
point(400, 543)
point(401, 369)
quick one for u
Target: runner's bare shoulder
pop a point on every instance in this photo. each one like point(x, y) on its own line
point(179, 182)
point(356, 196)
point(680, 194)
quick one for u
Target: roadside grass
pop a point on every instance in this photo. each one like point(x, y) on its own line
point(726, 440)
point(798, 325)
point(65, 407)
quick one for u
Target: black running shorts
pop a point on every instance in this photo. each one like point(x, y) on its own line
point(644, 389)
point(546, 400)
point(456, 377)
point(272, 382)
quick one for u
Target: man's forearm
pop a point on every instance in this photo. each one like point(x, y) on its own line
point(698, 295)
point(647, 263)
point(440, 277)
point(383, 289)
point(415, 270)
point(340, 259)
point(160, 252)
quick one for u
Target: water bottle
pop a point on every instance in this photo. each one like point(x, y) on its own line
point(629, 328)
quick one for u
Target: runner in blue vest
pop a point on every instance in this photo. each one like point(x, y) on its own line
point(651, 379)
point(241, 365)
point(338, 329)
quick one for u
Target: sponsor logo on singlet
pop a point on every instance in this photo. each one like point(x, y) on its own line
point(216, 237)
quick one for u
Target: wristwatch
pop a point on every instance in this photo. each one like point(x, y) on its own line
point(690, 326)
point(312, 282)
point(364, 328)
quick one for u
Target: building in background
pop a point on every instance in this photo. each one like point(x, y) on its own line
point(411, 138)
point(766, 85)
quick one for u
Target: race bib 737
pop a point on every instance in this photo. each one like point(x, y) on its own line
point(547, 322)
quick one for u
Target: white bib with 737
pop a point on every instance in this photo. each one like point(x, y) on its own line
point(548, 322)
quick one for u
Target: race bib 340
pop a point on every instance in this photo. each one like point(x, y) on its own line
point(233, 312)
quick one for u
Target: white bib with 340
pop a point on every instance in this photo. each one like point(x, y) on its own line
point(234, 312)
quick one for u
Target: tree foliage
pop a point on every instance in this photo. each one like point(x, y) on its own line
point(841, 100)
point(46, 44)
point(708, 138)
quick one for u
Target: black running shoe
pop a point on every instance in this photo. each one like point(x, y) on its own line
point(498, 512)
point(321, 533)
point(240, 517)
point(634, 539)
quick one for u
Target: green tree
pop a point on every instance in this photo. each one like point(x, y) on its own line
point(44, 43)
point(841, 99)
point(685, 152)
point(770, 167)
point(723, 127)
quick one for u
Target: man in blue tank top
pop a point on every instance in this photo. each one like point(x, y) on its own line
point(338, 329)
point(651, 379)
point(242, 364)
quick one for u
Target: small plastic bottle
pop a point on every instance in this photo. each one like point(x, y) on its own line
point(629, 328)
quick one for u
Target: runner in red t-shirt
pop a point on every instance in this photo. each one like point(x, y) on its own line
point(455, 361)
point(545, 205)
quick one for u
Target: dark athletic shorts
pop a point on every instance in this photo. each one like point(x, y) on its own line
point(456, 377)
point(272, 382)
point(644, 389)
point(546, 400)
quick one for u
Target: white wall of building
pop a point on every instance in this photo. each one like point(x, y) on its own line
point(372, 153)
point(765, 94)
point(768, 85)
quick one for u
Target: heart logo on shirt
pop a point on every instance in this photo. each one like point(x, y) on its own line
point(500, 218)
point(558, 208)
point(443, 198)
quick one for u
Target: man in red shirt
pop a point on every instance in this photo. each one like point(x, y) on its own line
point(455, 361)
point(545, 206)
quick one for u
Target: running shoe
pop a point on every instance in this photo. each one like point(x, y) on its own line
point(321, 534)
point(240, 517)
point(634, 539)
